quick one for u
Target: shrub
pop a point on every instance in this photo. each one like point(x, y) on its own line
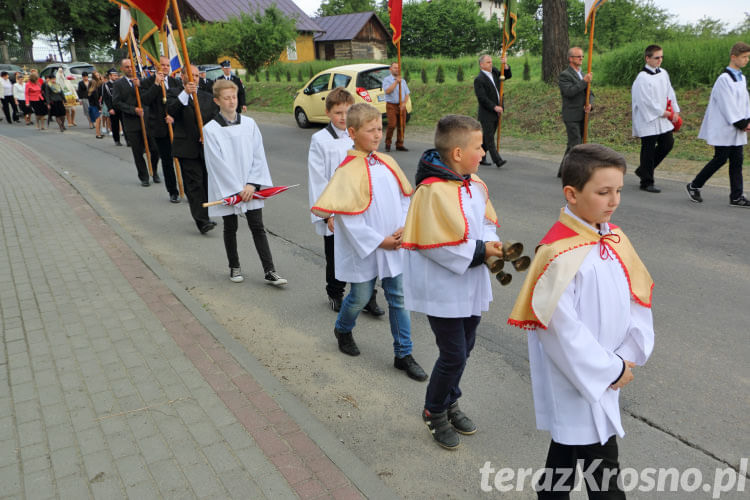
point(526, 70)
point(440, 75)
point(288, 76)
point(278, 76)
point(268, 76)
point(299, 76)
point(424, 75)
point(257, 76)
point(460, 74)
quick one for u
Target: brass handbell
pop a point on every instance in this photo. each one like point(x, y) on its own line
point(512, 250)
point(495, 264)
point(522, 263)
point(503, 277)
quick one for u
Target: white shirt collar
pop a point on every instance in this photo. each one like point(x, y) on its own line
point(655, 70)
point(604, 225)
point(339, 132)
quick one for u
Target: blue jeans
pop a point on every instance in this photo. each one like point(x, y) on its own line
point(359, 296)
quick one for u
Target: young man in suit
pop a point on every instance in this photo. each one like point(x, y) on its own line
point(155, 99)
point(115, 117)
point(573, 83)
point(187, 145)
point(226, 67)
point(124, 100)
point(487, 90)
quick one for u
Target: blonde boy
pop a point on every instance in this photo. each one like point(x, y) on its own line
point(587, 305)
point(328, 148)
point(236, 164)
point(369, 195)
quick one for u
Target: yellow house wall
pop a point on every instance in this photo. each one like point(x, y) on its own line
point(305, 49)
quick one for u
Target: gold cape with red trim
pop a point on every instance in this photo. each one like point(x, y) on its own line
point(436, 216)
point(557, 260)
point(349, 192)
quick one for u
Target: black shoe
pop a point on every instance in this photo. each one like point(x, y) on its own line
point(372, 306)
point(638, 172)
point(442, 431)
point(484, 162)
point(335, 303)
point(501, 163)
point(118, 143)
point(145, 183)
point(387, 149)
point(460, 421)
point(346, 343)
point(174, 198)
point(411, 367)
point(207, 227)
point(157, 179)
point(741, 202)
point(401, 148)
point(650, 189)
point(694, 193)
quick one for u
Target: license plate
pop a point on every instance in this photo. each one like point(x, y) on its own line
point(381, 98)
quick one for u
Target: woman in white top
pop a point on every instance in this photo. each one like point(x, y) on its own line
point(19, 95)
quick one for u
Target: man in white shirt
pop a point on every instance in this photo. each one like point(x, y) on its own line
point(395, 108)
point(8, 101)
point(652, 121)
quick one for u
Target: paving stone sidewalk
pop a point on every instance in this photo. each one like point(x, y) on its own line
point(109, 386)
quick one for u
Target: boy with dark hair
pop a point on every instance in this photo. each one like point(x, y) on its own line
point(450, 229)
point(328, 148)
point(369, 194)
point(236, 164)
point(655, 111)
point(725, 127)
point(587, 305)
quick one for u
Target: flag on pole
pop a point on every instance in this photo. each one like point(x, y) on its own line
point(156, 10)
point(510, 18)
point(261, 194)
point(175, 62)
point(147, 36)
point(125, 23)
point(394, 9)
point(589, 7)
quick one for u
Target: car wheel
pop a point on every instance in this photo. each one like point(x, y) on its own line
point(301, 117)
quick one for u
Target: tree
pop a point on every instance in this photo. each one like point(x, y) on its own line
point(84, 25)
point(254, 40)
point(554, 38)
point(338, 7)
point(21, 21)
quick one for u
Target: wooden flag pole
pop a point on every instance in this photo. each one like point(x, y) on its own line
point(588, 87)
point(186, 58)
point(500, 95)
point(177, 168)
point(131, 38)
point(401, 117)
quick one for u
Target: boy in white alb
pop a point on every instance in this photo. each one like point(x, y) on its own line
point(328, 148)
point(450, 230)
point(653, 122)
point(369, 194)
point(587, 305)
point(725, 127)
point(236, 164)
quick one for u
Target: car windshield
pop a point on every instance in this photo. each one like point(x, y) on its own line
point(372, 79)
point(48, 71)
point(214, 73)
point(77, 70)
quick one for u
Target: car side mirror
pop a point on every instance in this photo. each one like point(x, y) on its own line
point(306, 91)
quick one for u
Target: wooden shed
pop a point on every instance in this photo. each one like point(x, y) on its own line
point(352, 36)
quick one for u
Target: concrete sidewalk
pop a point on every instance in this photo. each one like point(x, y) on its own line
point(114, 383)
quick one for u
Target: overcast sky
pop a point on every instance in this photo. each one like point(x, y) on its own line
point(685, 11)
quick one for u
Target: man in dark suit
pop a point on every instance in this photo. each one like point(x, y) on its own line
point(487, 90)
point(204, 84)
point(226, 67)
point(124, 100)
point(187, 144)
point(573, 85)
point(115, 117)
point(154, 97)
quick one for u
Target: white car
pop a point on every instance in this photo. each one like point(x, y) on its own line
point(71, 71)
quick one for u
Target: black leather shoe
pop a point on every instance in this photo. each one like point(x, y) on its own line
point(145, 183)
point(411, 367)
point(335, 303)
point(207, 227)
point(501, 163)
point(157, 179)
point(638, 172)
point(651, 189)
point(174, 198)
point(118, 143)
point(484, 162)
point(346, 343)
point(372, 306)
point(401, 148)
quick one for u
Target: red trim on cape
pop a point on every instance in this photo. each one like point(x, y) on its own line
point(415, 246)
point(369, 181)
point(627, 276)
point(401, 187)
point(557, 232)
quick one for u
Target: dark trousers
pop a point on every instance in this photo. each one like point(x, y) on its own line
point(255, 223)
point(9, 102)
point(195, 182)
point(114, 125)
point(488, 140)
point(575, 137)
point(654, 148)
point(562, 458)
point(137, 146)
point(394, 122)
point(721, 155)
point(334, 287)
point(164, 146)
point(455, 339)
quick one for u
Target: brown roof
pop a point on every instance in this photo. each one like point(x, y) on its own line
point(221, 10)
point(345, 26)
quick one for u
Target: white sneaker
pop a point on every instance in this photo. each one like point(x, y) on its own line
point(272, 278)
point(235, 275)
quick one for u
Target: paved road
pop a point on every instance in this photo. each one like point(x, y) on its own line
point(687, 408)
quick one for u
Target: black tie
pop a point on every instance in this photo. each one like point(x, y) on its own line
point(658, 70)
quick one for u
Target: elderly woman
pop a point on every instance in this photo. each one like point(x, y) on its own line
point(55, 97)
point(35, 99)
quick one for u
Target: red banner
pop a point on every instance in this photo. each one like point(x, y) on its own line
point(156, 10)
point(394, 8)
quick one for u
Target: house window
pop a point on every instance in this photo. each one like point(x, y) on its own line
point(291, 51)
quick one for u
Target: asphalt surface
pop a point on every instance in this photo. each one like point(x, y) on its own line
point(688, 407)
